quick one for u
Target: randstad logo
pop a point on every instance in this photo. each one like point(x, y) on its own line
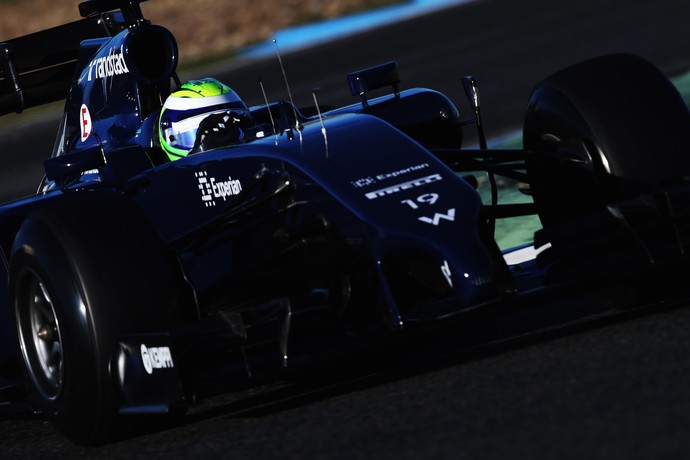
point(110, 65)
point(212, 189)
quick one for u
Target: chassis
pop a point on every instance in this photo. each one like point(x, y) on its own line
point(128, 283)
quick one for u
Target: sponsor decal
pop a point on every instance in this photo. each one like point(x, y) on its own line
point(108, 66)
point(363, 182)
point(90, 175)
point(438, 217)
point(156, 358)
point(445, 269)
point(371, 180)
point(401, 172)
point(205, 187)
point(85, 122)
point(403, 186)
point(213, 189)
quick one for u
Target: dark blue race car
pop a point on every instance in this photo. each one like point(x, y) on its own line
point(169, 246)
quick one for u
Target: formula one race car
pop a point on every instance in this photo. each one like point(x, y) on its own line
point(129, 281)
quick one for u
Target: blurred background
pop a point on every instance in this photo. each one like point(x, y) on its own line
point(205, 29)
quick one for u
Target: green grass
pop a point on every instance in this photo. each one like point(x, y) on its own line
point(683, 85)
point(514, 231)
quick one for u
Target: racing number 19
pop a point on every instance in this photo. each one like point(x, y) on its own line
point(427, 198)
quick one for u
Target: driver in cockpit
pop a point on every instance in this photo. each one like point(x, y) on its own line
point(203, 114)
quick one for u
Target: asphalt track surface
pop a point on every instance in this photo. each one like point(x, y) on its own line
point(606, 390)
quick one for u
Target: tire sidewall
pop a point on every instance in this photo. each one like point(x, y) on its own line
point(108, 275)
point(629, 117)
point(84, 360)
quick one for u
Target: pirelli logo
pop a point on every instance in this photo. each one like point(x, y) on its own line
point(403, 186)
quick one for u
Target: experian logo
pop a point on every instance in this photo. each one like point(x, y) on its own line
point(212, 188)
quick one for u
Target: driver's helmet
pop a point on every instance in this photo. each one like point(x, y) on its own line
point(187, 107)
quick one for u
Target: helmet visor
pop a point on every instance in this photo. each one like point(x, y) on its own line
point(182, 134)
point(179, 127)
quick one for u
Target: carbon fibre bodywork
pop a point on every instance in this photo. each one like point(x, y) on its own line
point(325, 230)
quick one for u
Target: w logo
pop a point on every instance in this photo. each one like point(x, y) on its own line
point(438, 217)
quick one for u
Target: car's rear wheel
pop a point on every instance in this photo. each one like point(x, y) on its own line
point(615, 126)
point(83, 272)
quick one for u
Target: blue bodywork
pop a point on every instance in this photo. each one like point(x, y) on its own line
point(308, 201)
point(132, 282)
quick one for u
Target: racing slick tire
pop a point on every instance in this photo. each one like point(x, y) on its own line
point(84, 271)
point(615, 127)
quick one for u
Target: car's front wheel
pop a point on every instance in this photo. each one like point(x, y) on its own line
point(84, 272)
point(39, 334)
point(614, 127)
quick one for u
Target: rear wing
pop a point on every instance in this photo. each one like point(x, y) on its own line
point(38, 68)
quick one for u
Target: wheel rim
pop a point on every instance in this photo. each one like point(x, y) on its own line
point(39, 335)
